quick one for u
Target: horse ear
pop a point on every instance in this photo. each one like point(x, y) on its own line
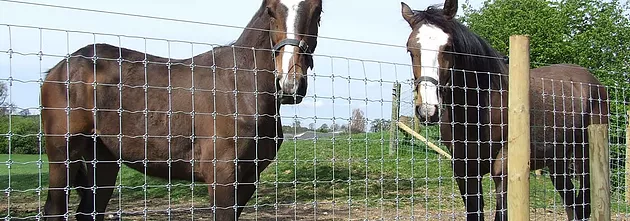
point(269, 3)
point(269, 7)
point(407, 13)
point(450, 8)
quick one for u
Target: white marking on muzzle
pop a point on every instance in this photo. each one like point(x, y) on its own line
point(431, 40)
point(427, 110)
point(288, 84)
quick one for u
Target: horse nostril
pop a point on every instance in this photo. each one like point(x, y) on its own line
point(426, 110)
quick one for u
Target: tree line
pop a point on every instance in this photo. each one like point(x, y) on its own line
point(357, 123)
point(19, 130)
point(594, 34)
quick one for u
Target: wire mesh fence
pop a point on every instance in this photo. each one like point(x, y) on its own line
point(334, 161)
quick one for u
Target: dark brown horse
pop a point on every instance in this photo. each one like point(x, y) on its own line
point(457, 69)
point(212, 118)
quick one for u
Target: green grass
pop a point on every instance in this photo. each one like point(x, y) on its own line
point(354, 171)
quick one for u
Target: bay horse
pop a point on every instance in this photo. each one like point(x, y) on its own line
point(211, 118)
point(462, 84)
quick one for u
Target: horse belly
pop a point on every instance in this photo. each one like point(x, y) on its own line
point(151, 142)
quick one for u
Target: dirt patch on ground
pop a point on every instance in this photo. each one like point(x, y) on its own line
point(158, 209)
point(323, 211)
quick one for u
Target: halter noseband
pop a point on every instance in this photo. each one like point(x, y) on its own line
point(427, 79)
point(294, 42)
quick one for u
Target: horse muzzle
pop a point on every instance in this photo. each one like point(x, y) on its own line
point(428, 113)
point(292, 91)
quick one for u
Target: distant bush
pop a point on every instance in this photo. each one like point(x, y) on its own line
point(24, 131)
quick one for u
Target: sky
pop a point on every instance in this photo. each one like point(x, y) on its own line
point(360, 51)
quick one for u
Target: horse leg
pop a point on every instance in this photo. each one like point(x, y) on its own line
point(470, 188)
point(220, 177)
point(582, 166)
point(94, 203)
point(246, 186)
point(62, 157)
point(501, 196)
point(499, 176)
point(559, 174)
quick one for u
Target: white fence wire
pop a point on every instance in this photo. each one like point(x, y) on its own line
point(334, 162)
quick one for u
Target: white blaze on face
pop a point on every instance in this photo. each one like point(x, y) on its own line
point(431, 40)
point(289, 85)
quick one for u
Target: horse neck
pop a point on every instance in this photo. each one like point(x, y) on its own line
point(477, 56)
point(256, 34)
point(483, 64)
point(256, 37)
point(253, 47)
point(473, 73)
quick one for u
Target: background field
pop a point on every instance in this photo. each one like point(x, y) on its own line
point(342, 176)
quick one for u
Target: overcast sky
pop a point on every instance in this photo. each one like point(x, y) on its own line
point(375, 21)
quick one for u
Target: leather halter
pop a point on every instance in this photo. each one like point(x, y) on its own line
point(426, 79)
point(294, 42)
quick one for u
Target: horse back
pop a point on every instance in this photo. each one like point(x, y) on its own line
point(564, 100)
point(149, 107)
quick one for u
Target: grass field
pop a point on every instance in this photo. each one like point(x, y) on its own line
point(350, 175)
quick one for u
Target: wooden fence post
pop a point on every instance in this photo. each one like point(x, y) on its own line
point(600, 171)
point(627, 171)
point(393, 128)
point(518, 129)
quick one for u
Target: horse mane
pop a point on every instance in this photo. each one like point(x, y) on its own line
point(471, 52)
point(252, 29)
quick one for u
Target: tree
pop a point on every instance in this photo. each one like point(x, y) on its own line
point(357, 121)
point(333, 127)
point(323, 128)
point(25, 112)
point(379, 125)
point(22, 136)
point(5, 107)
point(343, 128)
point(311, 126)
point(287, 129)
point(4, 92)
point(297, 124)
point(591, 33)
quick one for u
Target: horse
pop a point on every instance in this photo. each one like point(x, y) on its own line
point(211, 118)
point(462, 84)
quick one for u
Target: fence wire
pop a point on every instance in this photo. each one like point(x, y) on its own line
point(334, 163)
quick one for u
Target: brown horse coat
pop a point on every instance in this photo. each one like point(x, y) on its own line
point(212, 118)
